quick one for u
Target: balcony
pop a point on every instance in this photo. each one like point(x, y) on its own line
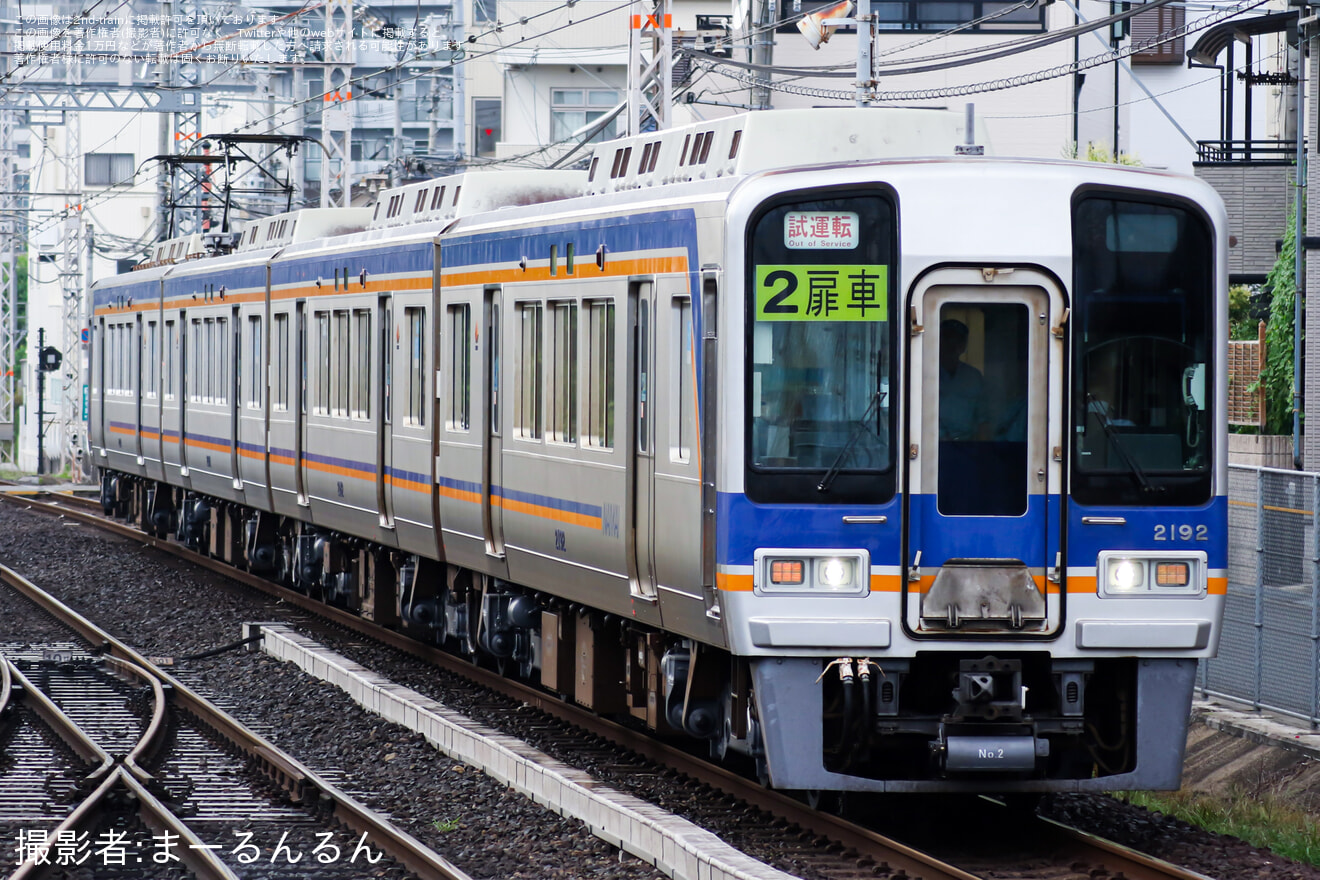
point(1253, 151)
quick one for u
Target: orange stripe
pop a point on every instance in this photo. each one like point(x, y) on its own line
point(564, 516)
point(416, 282)
point(1216, 586)
point(459, 494)
point(202, 444)
point(733, 583)
point(410, 485)
point(639, 266)
point(886, 583)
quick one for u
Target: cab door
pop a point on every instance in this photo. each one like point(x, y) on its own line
point(986, 384)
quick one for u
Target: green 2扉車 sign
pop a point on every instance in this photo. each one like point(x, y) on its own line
point(822, 293)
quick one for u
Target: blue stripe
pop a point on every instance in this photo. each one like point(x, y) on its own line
point(592, 510)
point(347, 464)
point(414, 258)
point(460, 485)
point(244, 278)
point(745, 526)
point(1086, 541)
point(410, 476)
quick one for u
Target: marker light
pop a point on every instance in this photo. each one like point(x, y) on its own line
point(1172, 574)
point(836, 572)
point(786, 571)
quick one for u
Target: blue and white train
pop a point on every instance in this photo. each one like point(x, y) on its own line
point(793, 432)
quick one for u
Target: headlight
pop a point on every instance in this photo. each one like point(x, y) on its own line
point(836, 573)
point(1127, 574)
point(812, 572)
point(1168, 574)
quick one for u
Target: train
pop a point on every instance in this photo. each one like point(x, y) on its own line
point(810, 437)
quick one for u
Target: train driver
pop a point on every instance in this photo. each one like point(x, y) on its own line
point(962, 401)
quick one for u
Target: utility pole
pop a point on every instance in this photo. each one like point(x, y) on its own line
point(336, 117)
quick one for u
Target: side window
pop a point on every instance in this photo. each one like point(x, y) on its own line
point(281, 343)
point(171, 345)
point(340, 343)
point(643, 376)
point(562, 406)
point(527, 419)
point(208, 365)
point(220, 364)
point(197, 356)
point(416, 320)
point(361, 402)
point(321, 398)
point(683, 414)
point(460, 368)
point(598, 416)
point(150, 362)
point(255, 371)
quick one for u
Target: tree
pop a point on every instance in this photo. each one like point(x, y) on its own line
point(1278, 373)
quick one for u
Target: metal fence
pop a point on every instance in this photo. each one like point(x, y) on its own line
point(1269, 653)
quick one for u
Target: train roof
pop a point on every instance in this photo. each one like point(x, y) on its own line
point(737, 146)
point(473, 192)
point(306, 224)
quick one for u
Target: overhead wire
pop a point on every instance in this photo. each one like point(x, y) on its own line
point(998, 84)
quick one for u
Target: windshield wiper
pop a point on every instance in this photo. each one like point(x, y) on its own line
point(1112, 435)
point(825, 481)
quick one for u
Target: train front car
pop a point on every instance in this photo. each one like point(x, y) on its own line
point(972, 524)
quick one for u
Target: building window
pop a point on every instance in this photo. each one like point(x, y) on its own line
point(933, 16)
point(486, 119)
point(571, 109)
point(108, 169)
point(484, 11)
point(1149, 26)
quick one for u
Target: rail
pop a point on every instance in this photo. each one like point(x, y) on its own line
point(302, 784)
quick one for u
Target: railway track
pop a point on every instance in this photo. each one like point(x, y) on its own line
point(830, 845)
point(118, 714)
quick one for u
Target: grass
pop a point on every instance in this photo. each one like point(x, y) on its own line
point(444, 826)
point(1263, 820)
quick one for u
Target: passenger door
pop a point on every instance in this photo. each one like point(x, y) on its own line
point(641, 531)
point(384, 368)
point(492, 513)
point(983, 512)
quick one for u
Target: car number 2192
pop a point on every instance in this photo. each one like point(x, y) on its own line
point(1182, 532)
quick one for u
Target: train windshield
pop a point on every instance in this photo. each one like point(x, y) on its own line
point(820, 310)
point(1142, 366)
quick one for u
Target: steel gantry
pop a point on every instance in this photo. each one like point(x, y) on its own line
point(336, 117)
point(650, 66)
